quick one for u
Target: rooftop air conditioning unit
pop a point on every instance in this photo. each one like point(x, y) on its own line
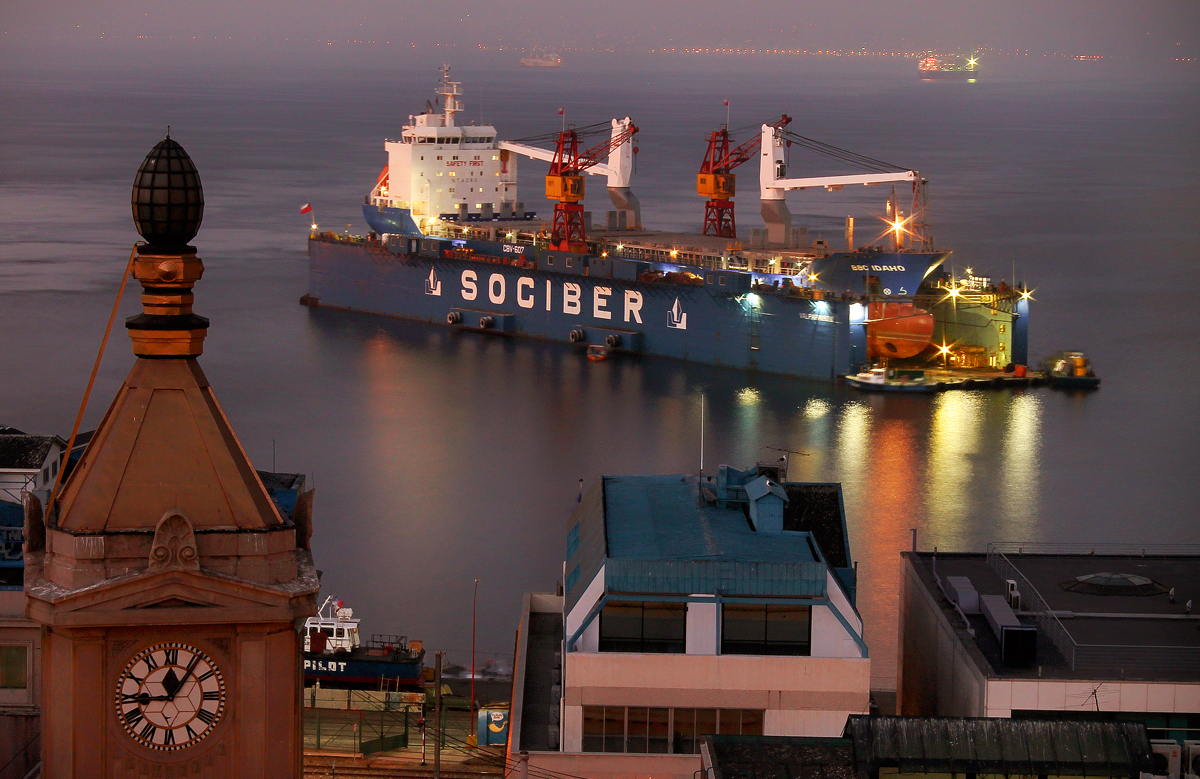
point(1012, 594)
point(1168, 756)
point(1191, 757)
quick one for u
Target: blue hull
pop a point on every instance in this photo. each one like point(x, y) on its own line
point(390, 220)
point(344, 670)
point(899, 274)
point(718, 323)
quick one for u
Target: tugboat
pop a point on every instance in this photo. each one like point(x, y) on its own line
point(1070, 370)
point(335, 656)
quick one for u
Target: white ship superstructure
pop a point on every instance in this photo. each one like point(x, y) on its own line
point(442, 170)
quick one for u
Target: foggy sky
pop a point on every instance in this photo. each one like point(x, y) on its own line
point(1154, 28)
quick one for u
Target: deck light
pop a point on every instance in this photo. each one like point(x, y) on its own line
point(753, 299)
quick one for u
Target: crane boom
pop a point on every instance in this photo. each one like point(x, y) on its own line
point(717, 182)
point(564, 182)
point(774, 182)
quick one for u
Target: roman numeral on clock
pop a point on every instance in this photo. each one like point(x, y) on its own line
point(212, 695)
point(206, 715)
point(133, 716)
point(172, 656)
point(205, 676)
point(169, 737)
point(147, 733)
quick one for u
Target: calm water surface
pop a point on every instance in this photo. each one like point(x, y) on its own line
point(441, 457)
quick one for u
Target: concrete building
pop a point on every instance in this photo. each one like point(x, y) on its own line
point(1029, 631)
point(690, 608)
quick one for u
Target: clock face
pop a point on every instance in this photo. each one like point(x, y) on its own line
point(170, 696)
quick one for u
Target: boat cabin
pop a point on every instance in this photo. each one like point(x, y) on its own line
point(332, 632)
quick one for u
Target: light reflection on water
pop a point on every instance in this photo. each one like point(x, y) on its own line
point(476, 436)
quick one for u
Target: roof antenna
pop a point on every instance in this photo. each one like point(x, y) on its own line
point(168, 132)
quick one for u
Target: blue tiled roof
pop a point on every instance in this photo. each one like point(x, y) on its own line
point(657, 518)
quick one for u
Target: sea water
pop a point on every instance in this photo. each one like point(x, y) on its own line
point(442, 457)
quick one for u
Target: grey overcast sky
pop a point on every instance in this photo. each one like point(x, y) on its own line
point(1155, 28)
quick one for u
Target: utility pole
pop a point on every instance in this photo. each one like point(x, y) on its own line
point(474, 599)
point(437, 717)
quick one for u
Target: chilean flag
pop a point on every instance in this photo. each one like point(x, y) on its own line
point(304, 209)
point(726, 102)
point(561, 111)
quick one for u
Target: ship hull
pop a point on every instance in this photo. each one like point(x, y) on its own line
point(890, 274)
point(354, 670)
point(775, 333)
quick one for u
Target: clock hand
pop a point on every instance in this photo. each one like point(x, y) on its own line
point(187, 672)
point(141, 697)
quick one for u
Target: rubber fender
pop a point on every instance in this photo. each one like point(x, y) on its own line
point(577, 335)
point(454, 318)
point(486, 322)
point(612, 340)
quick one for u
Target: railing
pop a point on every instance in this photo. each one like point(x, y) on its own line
point(1048, 623)
point(1086, 657)
point(358, 721)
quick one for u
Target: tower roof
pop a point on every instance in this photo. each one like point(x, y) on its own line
point(165, 444)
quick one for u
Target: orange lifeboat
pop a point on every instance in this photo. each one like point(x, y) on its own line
point(897, 329)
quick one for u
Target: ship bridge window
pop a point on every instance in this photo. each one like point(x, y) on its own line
point(455, 157)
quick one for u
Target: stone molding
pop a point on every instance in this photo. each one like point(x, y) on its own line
point(174, 544)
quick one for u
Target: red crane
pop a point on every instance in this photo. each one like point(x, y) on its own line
point(565, 184)
point(716, 181)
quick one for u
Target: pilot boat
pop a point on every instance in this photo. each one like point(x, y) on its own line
point(336, 656)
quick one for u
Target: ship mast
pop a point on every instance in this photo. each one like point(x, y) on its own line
point(450, 91)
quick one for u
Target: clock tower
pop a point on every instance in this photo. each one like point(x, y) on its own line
point(168, 584)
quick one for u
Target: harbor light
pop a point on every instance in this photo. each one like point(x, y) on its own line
point(674, 253)
point(620, 246)
point(753, 299)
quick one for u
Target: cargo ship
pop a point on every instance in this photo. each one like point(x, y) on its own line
point(450, 243)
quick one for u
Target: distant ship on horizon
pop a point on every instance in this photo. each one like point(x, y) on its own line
point(542, 59)
point(953, 66)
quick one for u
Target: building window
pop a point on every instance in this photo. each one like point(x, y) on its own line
point(651, 730)
point(13, 672)
point(757, 629)
point(643, 627)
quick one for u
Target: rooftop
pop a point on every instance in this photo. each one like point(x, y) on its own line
point(940, 745)
point(24, 452)
point(658, 518)
point(651, 534)
point(1082, 633)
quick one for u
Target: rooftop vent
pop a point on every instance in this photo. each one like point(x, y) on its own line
point(1105, 583)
